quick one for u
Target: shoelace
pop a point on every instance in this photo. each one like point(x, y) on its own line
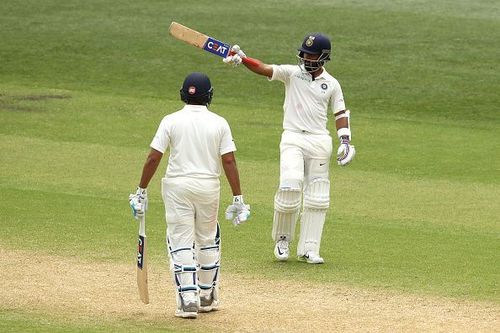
point(283, 246)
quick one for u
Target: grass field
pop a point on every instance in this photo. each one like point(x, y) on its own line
point(84, 84)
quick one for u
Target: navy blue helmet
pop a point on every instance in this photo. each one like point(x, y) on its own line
point(197, 89)
point(315, 44)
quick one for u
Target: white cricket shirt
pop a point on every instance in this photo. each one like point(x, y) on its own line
point(197, 138)
point(307, 100)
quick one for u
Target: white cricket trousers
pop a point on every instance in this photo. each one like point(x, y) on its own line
point(304, 157)
point(191, 208)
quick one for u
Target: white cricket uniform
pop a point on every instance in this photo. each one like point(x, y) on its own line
point(197, 138)
point(306, 144)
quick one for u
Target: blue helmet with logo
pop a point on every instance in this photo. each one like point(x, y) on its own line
point(197, 89)
point(315, 44)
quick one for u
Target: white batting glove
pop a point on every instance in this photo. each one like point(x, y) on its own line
point(235, 56)
point(346, 152)
point(238, 211)
point(138, 202)
point(233, 60)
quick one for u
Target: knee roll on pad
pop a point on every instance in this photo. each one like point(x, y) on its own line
point(287, 201)
point(317, 194)
point(286, 209)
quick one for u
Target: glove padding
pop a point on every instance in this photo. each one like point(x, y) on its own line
point(138, 202)
point(238, 211)
point(346, 152)
point(235, 56)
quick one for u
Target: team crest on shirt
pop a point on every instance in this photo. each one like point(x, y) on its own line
point(324, 86)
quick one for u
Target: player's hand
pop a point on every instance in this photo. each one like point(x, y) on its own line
point(346, 151)
point(138, 202)
point(238, 211)
point(235, 56)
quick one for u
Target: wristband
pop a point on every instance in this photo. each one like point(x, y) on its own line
point(250, 61)
point(238, 199)
point(344, 132)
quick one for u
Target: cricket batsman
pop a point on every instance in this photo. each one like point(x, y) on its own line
point(200, 142)
point(306, 144)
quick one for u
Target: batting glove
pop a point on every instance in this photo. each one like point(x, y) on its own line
point(138, 202)
point(235, 56)
point(346, 151)
point(238, 211)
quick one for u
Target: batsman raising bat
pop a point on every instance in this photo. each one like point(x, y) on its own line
point(200, 142)
point(306, 145)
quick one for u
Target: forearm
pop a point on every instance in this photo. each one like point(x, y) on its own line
point(150, 166)
point(342, 123)
point(231, 171)
point(258, 66)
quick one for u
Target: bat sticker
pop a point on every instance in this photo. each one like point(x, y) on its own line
point(140, 252)
point(217, 47)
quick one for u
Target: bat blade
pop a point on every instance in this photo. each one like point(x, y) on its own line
point(199, 39)
point(142, 268)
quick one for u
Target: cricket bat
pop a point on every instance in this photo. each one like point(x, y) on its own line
point(142, 268)
point(199, 40)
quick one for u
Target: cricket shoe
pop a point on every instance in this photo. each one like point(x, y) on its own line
point(282, 250)
point(312, 258)
point(189, 306)
point(208, 303)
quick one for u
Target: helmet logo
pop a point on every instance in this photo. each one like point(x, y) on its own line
point(310, 41)
point(192, 90)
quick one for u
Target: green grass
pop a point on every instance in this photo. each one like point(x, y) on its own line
point(11, 321)
point(83, 86)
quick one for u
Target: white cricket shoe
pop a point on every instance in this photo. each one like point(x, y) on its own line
point(208, 303)
point(312, 258)
point(189, 306)
point(282, 250)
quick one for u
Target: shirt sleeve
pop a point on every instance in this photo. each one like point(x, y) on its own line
point(161, 139)
point(226, 143)
point(337, 100)
point(282, 72)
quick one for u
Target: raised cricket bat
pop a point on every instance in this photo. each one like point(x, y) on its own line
point(142, 268)
point(199, 40)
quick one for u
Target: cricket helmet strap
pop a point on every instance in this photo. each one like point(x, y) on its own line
point(197, 89)
point(315, 44)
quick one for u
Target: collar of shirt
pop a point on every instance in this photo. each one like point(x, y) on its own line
point(322, 76)
point(197, 108)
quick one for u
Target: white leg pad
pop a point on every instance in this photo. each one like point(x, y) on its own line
point(208, 274)
point(183, 267)
point(316, 203)
point(286, 210)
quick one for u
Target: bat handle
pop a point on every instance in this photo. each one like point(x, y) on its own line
point(142, 226)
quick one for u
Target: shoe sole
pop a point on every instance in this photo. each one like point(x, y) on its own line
point(187, 315)
point(304, 259)
point(205, 309)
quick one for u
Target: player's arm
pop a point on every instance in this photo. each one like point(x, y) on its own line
point(238, 211)
point(237, 56)
point(150, 166)
point(346, 151)
point(231, 171)
point(139, 200)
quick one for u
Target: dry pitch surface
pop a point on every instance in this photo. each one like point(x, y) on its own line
point(72, 290)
